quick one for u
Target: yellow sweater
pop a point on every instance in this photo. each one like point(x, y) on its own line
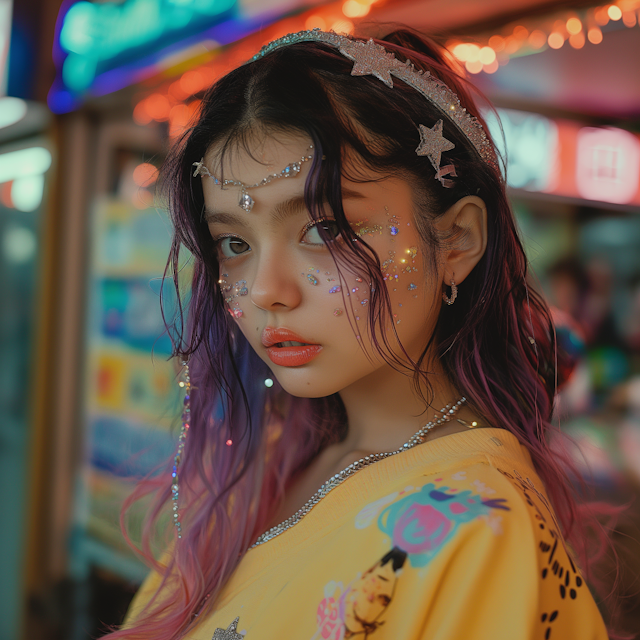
point(452, 540)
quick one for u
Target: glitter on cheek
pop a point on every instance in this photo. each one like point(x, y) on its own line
point(337, 312)
point(312, 279)
point(393, 230)
point(364, 302)
point(354, 289)
point(336, 289)
point(359, 280)
point(412, 287)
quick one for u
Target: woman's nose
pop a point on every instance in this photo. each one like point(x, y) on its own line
point(276, 284)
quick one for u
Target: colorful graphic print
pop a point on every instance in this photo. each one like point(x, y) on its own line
point(356, 610)
point(421, 523)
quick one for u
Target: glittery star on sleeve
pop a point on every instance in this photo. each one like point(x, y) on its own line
point(433, 144)
point(230, 633)
point(370, 59)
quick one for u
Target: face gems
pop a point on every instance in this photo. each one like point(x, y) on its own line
point(393, 224)
point(238, 290)
point(336, 289)
point(245, 201)
point(412, 287)
point(364, 302)
point(312, 279)
point(369, 231)
point(337, 312)
point(389, 267)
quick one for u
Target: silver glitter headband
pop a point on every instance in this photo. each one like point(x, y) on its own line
point(373, 59)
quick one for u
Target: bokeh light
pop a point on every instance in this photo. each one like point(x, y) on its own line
point(595, 35)
point(145, 174)
point(555, 40)
point(614, 12)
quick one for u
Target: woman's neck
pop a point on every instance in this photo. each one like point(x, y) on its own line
point(384, 410)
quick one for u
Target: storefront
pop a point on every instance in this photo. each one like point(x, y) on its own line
point(121, 100)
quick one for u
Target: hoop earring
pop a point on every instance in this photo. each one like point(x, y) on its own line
point(454, 293)
point(184, 383)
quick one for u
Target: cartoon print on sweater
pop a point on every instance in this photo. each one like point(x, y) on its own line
point(424, 520)
point(356, 610)
point(558, 569)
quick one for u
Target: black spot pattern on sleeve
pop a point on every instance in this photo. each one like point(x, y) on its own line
point(558, 569)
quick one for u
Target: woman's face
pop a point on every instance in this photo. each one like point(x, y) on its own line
point(281, 283)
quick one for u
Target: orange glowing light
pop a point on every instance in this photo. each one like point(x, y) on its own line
point(615, 13)
point(487, 56)
point(158, 107)
point(497, 43)
point(473, 66)
point(521, 32)
point(574, 26)
point(145, 174)
point(140, 113)
point(178, 120)
point(577, 40)
point(629, 19)
point(355, 9)
point(343, 26)
point(192, 82)
point(491, 68)
point(537, 39)
point(315, 22)
point(5, 194)
point(513, 44)
point(601, 16)
point(595, 35)
point(555, 40)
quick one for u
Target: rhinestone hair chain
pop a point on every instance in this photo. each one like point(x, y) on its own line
point(245, 201)
point(184, 383)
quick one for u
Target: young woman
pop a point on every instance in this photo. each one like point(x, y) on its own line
point(364, 445)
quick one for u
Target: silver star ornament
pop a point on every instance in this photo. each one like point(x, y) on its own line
point(230, 633)
point(433, 144)
point(369, 59)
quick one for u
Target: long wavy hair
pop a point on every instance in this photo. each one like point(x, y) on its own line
point(496, 343)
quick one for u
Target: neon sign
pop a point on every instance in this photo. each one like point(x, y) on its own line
point(608, 165)
point(94, 40)
point(531, 146)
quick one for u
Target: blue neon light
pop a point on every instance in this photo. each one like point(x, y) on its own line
point(107, 45)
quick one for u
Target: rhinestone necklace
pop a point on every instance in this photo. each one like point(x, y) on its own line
point(446, 413)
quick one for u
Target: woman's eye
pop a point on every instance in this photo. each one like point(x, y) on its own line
point(311, 233)
point(232, 246)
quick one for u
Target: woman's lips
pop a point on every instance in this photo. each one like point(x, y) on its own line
point(288, 349)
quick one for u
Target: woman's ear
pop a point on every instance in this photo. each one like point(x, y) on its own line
point(463, 228)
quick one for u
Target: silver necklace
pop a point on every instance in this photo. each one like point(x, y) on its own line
point(446, 413)
point(245, 201)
